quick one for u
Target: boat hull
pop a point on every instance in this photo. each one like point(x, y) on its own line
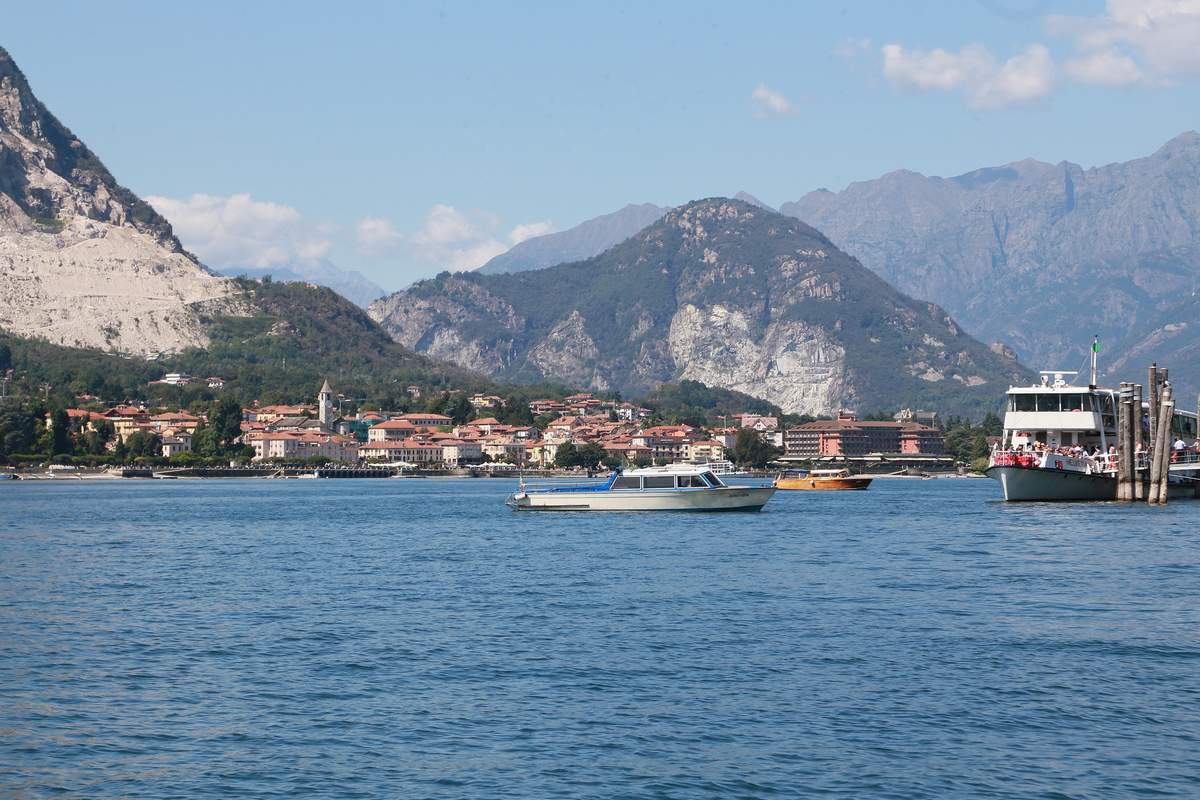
point(730, 498)
point(1021, 484)
point(826, 484)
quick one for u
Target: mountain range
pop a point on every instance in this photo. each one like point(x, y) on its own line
point(1040, 256)
point(719, 291)
point(582, 241)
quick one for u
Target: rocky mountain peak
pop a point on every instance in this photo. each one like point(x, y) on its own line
point(1186, 143)
point(49, 174)
point(83, 260)
point(719, 291)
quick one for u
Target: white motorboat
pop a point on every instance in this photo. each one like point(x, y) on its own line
point(677, 487)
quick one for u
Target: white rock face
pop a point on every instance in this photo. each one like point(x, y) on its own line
point(794, 365)
point(99, 285)
point(84, 262)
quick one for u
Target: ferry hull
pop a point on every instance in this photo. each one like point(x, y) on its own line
point(1022, 484)
point(731, 498)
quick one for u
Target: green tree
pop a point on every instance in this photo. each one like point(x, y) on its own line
point(749, 450)
point(225, 420)
point(642, 460)
point(6, 359)
point(95, 441)
point(18, 433)
point(459, 409)
point(567, 456)
point(205, 441)
point(60, 433)
point(142, 444)
point(590, 455)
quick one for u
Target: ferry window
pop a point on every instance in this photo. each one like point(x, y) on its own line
point(1072, 402)
point(659, 482)
point(713, 480)
point(627, 483)
point(1047, 402)
point(1087, 403)
point(1025, 402)
point(691, 482)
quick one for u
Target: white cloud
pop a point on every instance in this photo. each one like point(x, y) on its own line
point(445, 226)
point(1105, 67)
point(1159, 38)
point(238, 231)
point(770, 103)
point(852, 48)
point(973, 70)
point(1023, 78)
point(1133, 43)
point(375, 236)
point(447, 237)
point(528, 230)
point(936, 69)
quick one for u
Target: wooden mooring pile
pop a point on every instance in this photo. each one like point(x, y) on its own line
point(1136, 456)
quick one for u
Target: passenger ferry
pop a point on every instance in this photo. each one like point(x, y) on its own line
point(677, 487)
point(1057, 438)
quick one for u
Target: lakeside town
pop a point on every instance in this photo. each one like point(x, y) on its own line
point(577, 431)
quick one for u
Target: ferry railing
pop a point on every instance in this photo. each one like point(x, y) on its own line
point(1104, 463)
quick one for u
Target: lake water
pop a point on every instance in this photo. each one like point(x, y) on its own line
point(415, 638)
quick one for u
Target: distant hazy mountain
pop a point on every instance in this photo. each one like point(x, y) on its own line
point(83, 260)
point(1040, 256)
point(352, 285)
point(746, 197)
point(718, 291)
point(575, 244)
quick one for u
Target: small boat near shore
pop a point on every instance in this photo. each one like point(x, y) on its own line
point(678, 487)
point(822, 480)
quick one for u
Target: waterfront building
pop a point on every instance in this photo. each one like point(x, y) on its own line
point(302, 444)
point(392, 430)
point(412, 451)
point(460, 452)
point(175, 442)
point(849, 436)
point(426, 420)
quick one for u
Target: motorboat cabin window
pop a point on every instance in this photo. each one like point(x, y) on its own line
point(712, 479)
point(626, 482)
point(659, 482)
point(691, 482)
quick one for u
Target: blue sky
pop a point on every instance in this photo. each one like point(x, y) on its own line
point(401, 139)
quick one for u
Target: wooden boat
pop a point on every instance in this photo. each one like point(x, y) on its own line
point(822, 479)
